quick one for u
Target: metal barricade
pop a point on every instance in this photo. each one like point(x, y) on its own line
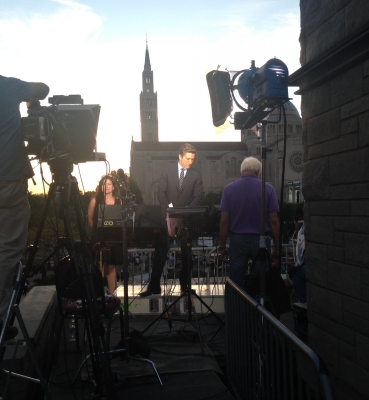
point(288, 256)
point(201, 274)
point(264, 359)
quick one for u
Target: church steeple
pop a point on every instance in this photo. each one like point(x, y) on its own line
point(147, 57)
point(148, 103)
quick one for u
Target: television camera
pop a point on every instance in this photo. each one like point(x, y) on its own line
point(65, 128)
point(260, 90)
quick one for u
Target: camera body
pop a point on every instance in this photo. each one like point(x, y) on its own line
point(63, 128)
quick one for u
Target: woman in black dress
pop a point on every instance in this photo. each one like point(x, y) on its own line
point(107, 193)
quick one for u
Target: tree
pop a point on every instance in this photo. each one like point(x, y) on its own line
point(133, 187)
point(53, 226)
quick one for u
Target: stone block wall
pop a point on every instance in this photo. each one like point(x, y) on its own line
point(334, 83)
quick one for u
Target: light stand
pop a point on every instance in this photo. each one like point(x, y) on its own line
point(127, 204)
point(263, 249)
point(125, 272)
point(187, 292)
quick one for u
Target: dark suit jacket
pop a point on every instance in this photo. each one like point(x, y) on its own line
point(190, 194)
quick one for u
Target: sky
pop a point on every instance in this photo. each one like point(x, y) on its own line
point(97, 49)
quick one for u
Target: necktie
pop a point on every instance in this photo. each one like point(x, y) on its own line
point(181, 177)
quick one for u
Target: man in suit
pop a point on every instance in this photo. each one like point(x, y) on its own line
point(179, 186)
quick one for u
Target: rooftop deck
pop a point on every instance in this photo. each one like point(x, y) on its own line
point(187, 370)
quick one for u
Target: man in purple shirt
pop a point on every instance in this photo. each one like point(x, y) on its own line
point(240, 217)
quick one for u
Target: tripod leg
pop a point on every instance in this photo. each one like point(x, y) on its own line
point(193, 310)
point(41, 380)
point(32, 353)
point(166, 309)
point(145, 360)
point(208, 308)
point(33, 249)
point(9, 314)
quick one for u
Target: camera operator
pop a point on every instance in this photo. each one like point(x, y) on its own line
point(15, 170)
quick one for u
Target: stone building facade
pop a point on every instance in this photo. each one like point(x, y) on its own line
point(334, 83)
point(219, 162)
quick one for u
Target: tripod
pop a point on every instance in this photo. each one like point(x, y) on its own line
point(13, 310)
point(188, 293)
point(66, 186)
point(119, 237)
point(263, 251)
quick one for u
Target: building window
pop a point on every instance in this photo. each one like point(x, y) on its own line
point(258, 150)
point(148, 103)
point(148, 115)
point(214, 175)
point(289, 127)
point(147, 80)
point(232, 169)
point(296, 162)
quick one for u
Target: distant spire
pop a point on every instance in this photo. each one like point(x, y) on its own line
point(147, 56)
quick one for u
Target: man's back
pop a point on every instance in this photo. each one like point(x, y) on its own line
point(242, 199)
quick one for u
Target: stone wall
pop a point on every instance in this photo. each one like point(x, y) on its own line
point(334, 83)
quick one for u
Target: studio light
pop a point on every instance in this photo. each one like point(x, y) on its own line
point(255, 91)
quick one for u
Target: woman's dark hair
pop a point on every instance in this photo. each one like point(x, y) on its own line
point(100, 195)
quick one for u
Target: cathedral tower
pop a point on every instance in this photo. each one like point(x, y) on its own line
point(148, 103)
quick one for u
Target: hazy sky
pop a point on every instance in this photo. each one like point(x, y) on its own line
point(97, 49)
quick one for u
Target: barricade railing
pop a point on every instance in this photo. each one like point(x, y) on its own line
point(288, 257)
point(207, 270)
point(264, 359)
